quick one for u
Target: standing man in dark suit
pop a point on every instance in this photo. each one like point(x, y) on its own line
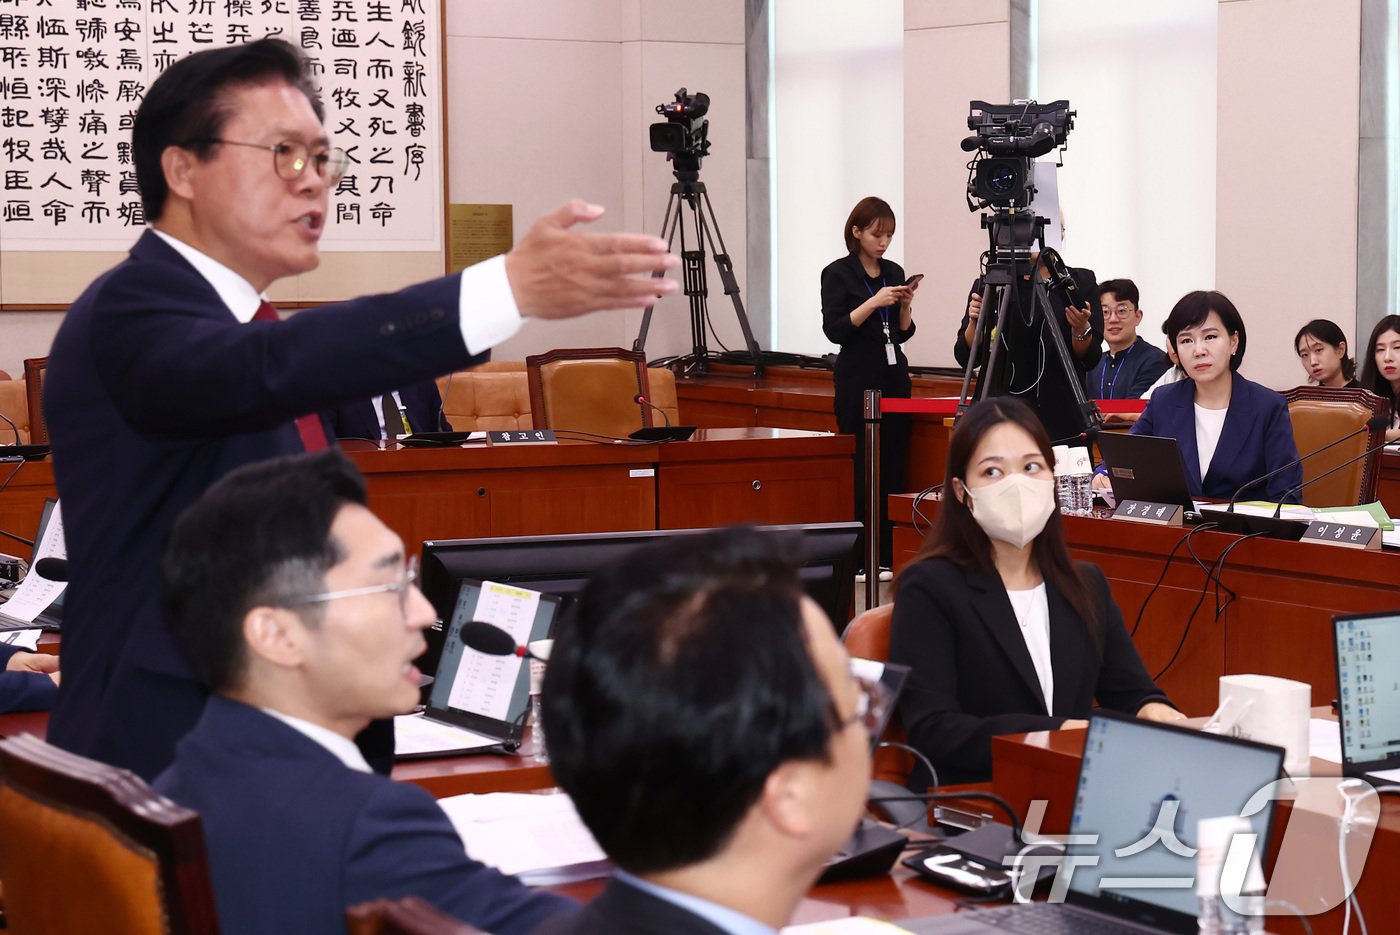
point(300, 610)
point(416, 408)
point(702, 715)
point(170, 370)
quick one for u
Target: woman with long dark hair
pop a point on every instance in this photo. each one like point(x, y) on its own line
point(1004, 632)
point(1380, 372)
point(1322, 350)
point(867, 308)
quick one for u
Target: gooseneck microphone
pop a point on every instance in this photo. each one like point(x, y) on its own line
point(491, 640)
point(1374, 424)
point(13, 428)
point(1347, 463)
point(54, 569)
point(639, 398)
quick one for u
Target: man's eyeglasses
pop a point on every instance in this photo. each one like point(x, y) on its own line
point(408, 579)
point(290, 158)
point(872, 703)
point(1119, 311)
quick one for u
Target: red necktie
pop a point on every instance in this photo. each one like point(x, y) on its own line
point(313, 435)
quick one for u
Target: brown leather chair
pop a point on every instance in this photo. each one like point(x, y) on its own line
point(1323, 414)
point(34, 368)
point(868, 636)
point(589, 390)
point(87, 847)
point(663, 393)
point(410, 915)
point(14, 404)
point(485, 401)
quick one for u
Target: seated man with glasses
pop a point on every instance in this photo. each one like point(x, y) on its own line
point(701, 713)
point(172, 368)
point(300, 611)
point(1131, 364)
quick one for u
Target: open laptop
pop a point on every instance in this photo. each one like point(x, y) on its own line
point(36, 593)
point(478, 703)
point(1367, 649)
point(1145, 467)
point(1133, 772)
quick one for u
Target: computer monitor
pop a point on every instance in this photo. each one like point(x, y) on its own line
point(562, 564)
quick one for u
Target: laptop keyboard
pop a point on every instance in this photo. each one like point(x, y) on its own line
point(1050, 919)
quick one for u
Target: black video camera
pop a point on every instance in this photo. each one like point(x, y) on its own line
point(1007, 140)
point(684, 134)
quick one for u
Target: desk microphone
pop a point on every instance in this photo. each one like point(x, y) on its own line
point(1347, 463)
point(655, 433)
point(491, 640)
point(1374, 424)
point(13, 428)
point(54, 569)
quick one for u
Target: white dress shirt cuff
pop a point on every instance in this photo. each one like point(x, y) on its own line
point(487, 311)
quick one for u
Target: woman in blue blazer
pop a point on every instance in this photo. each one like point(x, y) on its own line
point(1230, 431)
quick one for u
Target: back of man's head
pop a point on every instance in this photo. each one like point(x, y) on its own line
point(185, 106)
point(681, 682)
point(260, 536)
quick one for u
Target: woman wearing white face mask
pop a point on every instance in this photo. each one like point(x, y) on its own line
point(1003, 631)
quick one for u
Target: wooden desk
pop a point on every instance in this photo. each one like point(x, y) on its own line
point(1279, 623)
point(720, 476)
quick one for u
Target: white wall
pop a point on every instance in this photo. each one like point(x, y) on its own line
point(1137, 188)
point(839, 116)
point(955, 51)
point(1286, 172)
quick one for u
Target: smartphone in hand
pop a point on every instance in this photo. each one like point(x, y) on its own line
point(913, 280)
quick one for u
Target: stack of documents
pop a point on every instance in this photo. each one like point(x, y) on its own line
point(536, 837)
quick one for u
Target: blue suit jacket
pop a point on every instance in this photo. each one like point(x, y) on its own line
point(1257, 438)
point(294, 836)
point(23, 691)
point(359, 420)
point(153, 392)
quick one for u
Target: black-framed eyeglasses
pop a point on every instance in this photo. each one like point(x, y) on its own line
point(401, 587)
point(872, 703)
point(290, 158)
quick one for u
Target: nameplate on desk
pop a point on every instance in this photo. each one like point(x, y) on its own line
point(1145, 511)
point(1349, 537)
point(522, 437)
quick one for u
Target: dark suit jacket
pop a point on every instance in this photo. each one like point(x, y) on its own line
point(1028, 365)
point(153, 392)
point(1257, 437)
point(1126, 375)
point(622, 909)
point(23, 691)
point(359, 420)
point(973, 677)
point(860, 365)
point(294, 836)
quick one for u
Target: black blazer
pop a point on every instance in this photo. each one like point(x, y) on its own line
point(622, 909)
point(359, 420)
point(973, 677)
point(153, 392)
point(861, 360)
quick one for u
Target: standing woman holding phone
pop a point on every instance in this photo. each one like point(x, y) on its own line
point(867, 308)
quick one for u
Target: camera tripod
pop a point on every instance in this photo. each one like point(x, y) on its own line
point(689, 192)
point(1012, 236)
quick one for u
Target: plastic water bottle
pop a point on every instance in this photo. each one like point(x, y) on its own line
point(1216, 861)
point(541, 752)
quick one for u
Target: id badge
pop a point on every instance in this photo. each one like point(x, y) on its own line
point(889, 353)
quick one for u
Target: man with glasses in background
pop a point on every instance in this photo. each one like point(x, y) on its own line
point(172, 368)
point(299, 610)
point(703, 717)
point(1131, 364)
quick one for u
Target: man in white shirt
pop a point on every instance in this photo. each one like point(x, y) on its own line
point(702, 715)
point(300, 611)
point(171, 370)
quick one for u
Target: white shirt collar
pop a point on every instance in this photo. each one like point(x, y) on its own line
point(235, 291)
point(342, 748)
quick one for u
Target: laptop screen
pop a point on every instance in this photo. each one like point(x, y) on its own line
point(1368, 689)
point(1142, 788)
point(490, 694)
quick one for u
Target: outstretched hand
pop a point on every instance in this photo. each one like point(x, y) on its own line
point(560, 272)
